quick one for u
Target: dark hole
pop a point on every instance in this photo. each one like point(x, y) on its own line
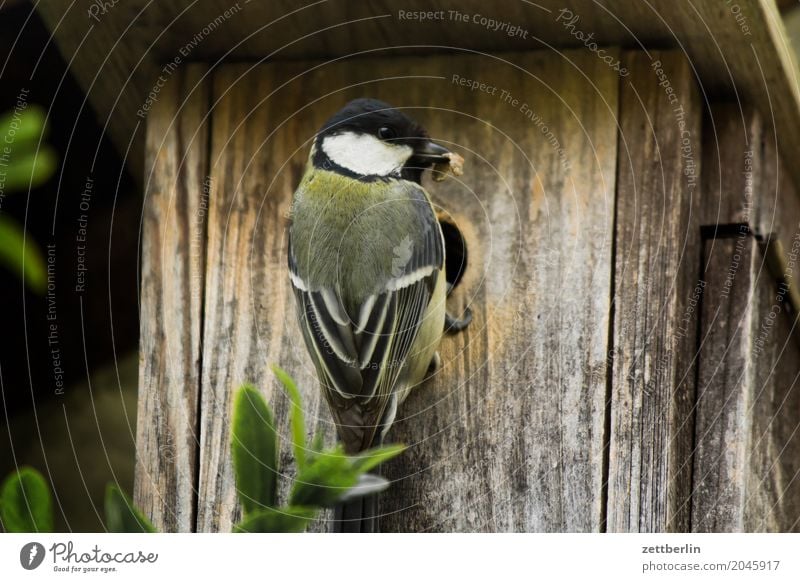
point(456, 251)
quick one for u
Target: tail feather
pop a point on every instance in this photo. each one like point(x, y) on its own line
point(361, 515)
point(358, 516)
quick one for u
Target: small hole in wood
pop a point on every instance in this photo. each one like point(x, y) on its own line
point(455, 248)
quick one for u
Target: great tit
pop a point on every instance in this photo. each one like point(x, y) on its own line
point(366, 262)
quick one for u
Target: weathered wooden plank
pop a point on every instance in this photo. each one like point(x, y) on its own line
point(257, 153)
point(173, 249)
point(747, 458)
point(733, 164)
point(656, 287)
point(744, 178)
point(745, 182)
point(723, 417)
point(778, 210)
point(745, 391)
point(738, 49)
point(509, 435)
point(772, 501)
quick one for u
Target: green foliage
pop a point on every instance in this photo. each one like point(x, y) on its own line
point(24, 162)
point(122, 516)
point(28, 161)
point(254, 446)
point(323, 481)
point(331, 476)
point(324, 477)
point(23, 128)
point(297, 421)
point(371, 458)
point(25, 503)
point(21, 254)
point(26, 506)
point(271, 520)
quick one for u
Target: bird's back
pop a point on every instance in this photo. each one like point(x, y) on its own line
point(367, 229)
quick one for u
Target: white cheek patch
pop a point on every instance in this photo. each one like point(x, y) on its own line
point(365, 154)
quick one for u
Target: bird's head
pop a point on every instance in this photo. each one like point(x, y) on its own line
point(370, 138)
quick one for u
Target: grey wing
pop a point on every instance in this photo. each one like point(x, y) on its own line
point(359, 355)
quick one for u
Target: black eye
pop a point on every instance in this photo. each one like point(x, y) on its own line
point(387, 132)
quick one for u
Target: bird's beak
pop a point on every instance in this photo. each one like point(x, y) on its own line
point(431, 152)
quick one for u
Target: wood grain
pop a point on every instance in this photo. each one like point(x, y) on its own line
point(778, 206)
point(173, 256)
point(511, 431)
point(571, 403)
point(509, 437)
point(129, 43)
point(772, 475)
point(656, 274)
point(733, 166)
point(745, 180)
point(745, 461)
point(747, 457)
point(249, 310)
point(723, 417)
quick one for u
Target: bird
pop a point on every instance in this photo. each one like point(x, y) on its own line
point(366, 260)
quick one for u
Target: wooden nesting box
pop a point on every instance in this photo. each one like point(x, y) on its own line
point(632, 240)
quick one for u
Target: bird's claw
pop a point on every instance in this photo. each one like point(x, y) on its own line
point(454, 325)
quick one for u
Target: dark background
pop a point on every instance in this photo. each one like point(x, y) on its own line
point(80, 439)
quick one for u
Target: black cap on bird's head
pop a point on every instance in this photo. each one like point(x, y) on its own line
point(371, 139)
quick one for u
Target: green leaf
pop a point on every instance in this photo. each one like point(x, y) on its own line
point(23, 128)
point(325, 480)
point(26, 505)
point(277, 520)
point(317, 443)
point(122, 516)
point(254, 445)
point(366, 485)
point(28, 169)
point(371, 458)
point(331, 476)
point(22, 255)
point(26, 160)
point(297, 420)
